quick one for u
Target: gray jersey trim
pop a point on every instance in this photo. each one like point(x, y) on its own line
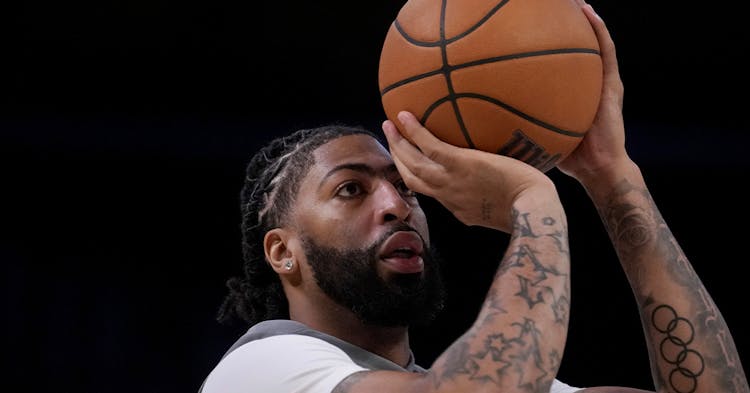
point(361, 357)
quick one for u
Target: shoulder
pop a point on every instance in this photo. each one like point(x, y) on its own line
point(281, 363)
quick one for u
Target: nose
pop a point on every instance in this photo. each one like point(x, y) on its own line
point(390, 204)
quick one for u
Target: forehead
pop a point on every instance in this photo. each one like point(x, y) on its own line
point(350, 149)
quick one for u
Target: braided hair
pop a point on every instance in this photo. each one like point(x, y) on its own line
point(272, 180)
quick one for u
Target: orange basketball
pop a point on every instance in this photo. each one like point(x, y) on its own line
point(521, 78)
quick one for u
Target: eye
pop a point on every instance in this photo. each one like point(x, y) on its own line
point(349, 189)
point(403, 189)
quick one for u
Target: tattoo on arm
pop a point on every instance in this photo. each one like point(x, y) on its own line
point(492, 353)
point(514, 353)
point(642, 240)
point(486, 210)
point(533, 285)
point(687, 363)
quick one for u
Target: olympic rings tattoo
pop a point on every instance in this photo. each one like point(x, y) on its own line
point(680, 334)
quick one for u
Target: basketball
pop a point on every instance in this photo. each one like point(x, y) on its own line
point(521, 78)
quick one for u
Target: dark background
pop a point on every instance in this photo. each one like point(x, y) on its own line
point(126, 126)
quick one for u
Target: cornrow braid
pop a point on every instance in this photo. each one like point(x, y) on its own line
point(272, 180)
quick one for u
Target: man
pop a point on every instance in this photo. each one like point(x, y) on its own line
point(339, 265)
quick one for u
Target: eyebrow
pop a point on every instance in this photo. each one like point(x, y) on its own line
point(358, 167)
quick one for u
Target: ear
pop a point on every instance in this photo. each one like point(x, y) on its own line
point(278, 253)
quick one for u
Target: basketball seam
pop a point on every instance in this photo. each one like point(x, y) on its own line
point(515, 56)
point(449, 81)
point(443, 40)
point(507, 107)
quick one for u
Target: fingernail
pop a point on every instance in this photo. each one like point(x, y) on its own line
point(403, 116)
point(386, 128)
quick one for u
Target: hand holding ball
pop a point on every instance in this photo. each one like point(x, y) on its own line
point(521, 78)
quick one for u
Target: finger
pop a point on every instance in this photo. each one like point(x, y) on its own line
point(606, 44)
point(426, 141)
point(411, 180)
point(411, 159)
point(397, 143)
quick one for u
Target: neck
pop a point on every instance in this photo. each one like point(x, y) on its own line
point(391, 343)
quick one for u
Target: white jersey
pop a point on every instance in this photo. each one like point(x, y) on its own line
point(291, 363)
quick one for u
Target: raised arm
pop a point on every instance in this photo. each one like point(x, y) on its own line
point(690, 346)
point(517, 341)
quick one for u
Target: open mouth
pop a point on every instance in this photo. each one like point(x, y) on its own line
point(402, 252)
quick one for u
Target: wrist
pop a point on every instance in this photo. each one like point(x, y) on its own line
point(601, 182)
point(541, 198)
point(607, 174)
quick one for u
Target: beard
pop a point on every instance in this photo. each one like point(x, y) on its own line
point(350, 278)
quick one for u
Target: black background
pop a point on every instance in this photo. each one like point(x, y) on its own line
point(126, 126)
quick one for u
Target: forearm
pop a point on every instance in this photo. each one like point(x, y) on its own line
point(517, 341)
point(690, 346)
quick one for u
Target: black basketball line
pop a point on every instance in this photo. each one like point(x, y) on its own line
point(487, 60)
point(443, 40)
point(446, 70)
point(448, 81)
point(503, 105)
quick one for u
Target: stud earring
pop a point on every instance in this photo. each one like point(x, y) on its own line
point(288, 264)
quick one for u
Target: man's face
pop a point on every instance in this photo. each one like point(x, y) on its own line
point(365, 237)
